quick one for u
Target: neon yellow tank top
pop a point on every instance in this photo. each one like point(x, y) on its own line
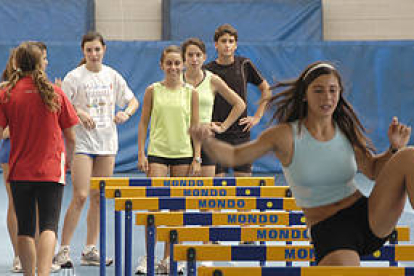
point(170, 120)
point(205, 98)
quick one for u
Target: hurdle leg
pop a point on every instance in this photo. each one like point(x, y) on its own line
point(128, 238)
point(102, 232)
point(151, 245)
point(394, 240)
point(261, 184)
point(173, 264)
point(289, 194)
point(118, 239)
point(262, 263)
point(191, 262)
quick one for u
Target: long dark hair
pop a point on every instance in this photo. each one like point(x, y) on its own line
point(28, 62)
point(8, 71)
point(290, 106)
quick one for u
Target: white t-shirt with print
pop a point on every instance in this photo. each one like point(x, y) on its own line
point(97, 93)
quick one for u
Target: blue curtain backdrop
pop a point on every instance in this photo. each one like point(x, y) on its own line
point(377, 76)
point(45, 20)
point(255, 20)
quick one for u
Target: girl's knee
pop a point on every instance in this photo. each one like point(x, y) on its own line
point(79, 199)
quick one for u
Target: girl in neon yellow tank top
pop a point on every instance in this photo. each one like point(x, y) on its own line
point(170, 107)
point(207, 85)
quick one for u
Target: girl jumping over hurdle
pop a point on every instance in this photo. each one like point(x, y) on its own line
point(321, 144)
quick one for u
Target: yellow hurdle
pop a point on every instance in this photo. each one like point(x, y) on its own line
point(128, 191)
point(182, 181)
point(223, 218)
point(207, 203)
point(280, 253)
point(305, 271)
point(290, 233)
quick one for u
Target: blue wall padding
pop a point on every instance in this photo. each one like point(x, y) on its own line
point(46, 20)
point(377, 76)
point(255, 20)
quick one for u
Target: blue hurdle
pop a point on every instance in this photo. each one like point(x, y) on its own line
point(306, 271)
point(129, 204)
point(194, 253)
point(102, 182)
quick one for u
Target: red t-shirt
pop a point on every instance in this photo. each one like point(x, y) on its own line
point(37, 145)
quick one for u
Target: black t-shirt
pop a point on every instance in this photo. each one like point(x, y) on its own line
point(236, 75)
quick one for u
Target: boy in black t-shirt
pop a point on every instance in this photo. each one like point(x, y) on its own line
point(236, 71)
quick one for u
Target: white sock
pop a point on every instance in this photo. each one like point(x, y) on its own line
point(62, 247)
point(88, 248)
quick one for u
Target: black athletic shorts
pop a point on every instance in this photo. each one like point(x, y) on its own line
point(47, 196)
point(234, 140)
point(170, 161)
point(347, 229)
point(206, 161)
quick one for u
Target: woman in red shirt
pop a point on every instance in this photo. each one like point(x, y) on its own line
point(37, 113)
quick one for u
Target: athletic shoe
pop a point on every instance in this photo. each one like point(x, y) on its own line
point(141, 268)
point(91, 257)
point(55, 268)
point(17, 265)
point(163, 267)
point(62, 258)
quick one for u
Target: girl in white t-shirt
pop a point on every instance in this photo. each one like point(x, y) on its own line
point(94, 89)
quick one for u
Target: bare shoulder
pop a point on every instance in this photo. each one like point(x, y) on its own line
point(279, 131)
point(150, 88)
point(216, 80)
point(281, 139)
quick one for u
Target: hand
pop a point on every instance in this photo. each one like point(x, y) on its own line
point(217, 127)
point(249, 122)
point(195, 168)
point(143, 163)
point(86, 120)
point(398, 134)
point(201, 132)
point(121, 117)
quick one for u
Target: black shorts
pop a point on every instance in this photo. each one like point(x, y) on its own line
point(206, 161)
point(48, 198)
point(347, 229)
point(170, 161)
point(234, 140)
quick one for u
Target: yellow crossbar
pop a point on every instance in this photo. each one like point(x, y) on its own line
point(289, 233)
point(305, 271)
point(222, 218)
point(128, 191)
point(206, 203)
point(182, 181)
point(276, 252)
